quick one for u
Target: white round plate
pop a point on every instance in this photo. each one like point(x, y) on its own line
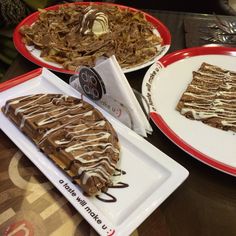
point(163, 85)
point(33, 54)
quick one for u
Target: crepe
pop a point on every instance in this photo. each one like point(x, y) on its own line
point(72, 133)
point(211, 97)
point(76, 35)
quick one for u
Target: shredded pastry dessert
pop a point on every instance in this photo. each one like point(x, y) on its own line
point(72, 133)
point(76, 35)
point(211, 97)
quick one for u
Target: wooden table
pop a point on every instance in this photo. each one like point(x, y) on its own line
point(205, 204)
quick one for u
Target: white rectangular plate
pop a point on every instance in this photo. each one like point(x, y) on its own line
point(151, 175)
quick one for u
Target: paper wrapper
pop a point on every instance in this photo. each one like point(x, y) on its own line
point(107, 85)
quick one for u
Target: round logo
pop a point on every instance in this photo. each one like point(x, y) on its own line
point(91, 83)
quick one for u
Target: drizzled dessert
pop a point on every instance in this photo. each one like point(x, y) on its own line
point(72, 133)
point(75, 35)
point(211, 97)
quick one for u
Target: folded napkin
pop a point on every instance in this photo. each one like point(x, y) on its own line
point(108, 87)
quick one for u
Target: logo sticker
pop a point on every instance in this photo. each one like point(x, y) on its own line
point(91, 83)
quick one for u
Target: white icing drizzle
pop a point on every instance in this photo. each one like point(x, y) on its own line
point(74, 137)
point(212, 95)
point(91, 153)
point(21, 108)
point(98, 159)
point(93, 148)
point(99, 145)
point(198, 95)
point(55, 118)
point(60, 142)
point(82, 144)
point(229, 123)
point(195, 87)
point(7, 106)
point(89, 171)
point(16, 101)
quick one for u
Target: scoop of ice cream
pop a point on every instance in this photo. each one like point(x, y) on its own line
point(94, 21)
point(100, 24)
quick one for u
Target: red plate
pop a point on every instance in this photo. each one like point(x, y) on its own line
point(163, 85)
point(35, 58)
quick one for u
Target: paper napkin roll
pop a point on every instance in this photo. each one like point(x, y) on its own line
point(107, 85)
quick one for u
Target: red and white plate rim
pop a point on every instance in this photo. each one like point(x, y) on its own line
point(158, 120)
point(20, 46)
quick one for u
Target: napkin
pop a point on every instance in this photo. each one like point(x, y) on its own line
point(107, 85)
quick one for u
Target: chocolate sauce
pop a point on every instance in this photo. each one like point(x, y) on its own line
point(119, 185)
point(110, 197)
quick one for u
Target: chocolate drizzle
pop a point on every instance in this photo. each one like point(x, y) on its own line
point(107, 197)
point(119, 185)
point(110, 199)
